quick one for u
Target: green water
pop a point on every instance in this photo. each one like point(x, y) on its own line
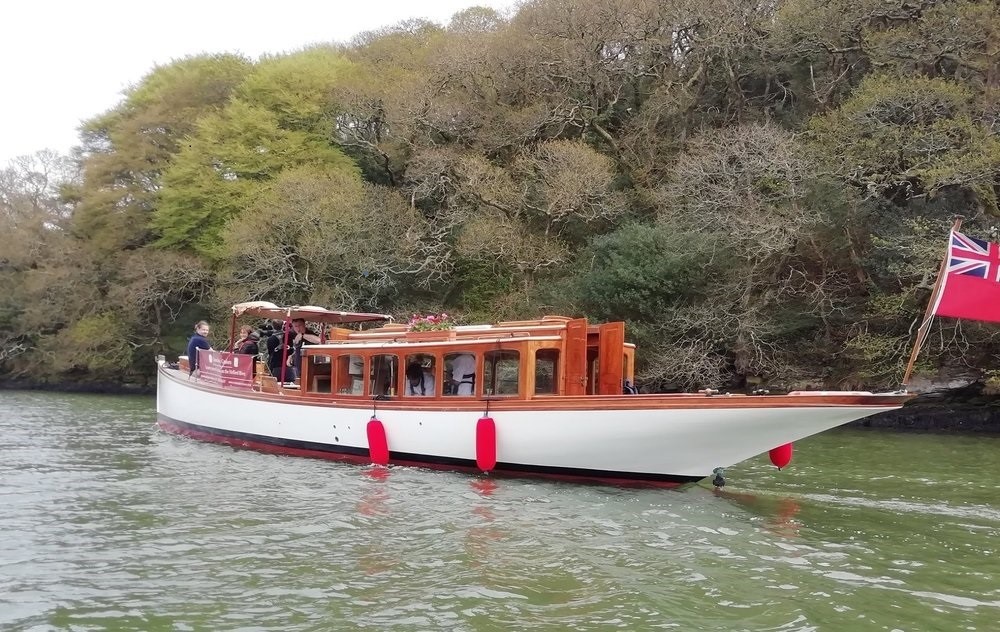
point(108, 524)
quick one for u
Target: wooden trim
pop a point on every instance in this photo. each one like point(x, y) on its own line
point(610, 358)
point(575, 358)
point(583, 402)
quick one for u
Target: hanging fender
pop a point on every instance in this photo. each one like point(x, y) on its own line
point(781, 456)
point(486, 444)
point(378, 444)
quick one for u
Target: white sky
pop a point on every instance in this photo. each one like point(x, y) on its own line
point(64, 61)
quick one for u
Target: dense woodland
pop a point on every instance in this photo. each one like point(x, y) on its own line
point(761, 189)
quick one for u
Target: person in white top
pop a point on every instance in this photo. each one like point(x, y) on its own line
point(418, 381)
point(463, 373)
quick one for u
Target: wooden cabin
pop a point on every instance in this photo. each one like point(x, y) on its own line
point(519, 359)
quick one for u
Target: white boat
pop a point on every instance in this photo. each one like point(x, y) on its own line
point(545, 399)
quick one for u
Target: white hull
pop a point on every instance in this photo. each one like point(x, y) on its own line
point(668, 443)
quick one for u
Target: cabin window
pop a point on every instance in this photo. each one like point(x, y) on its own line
point(420, 375)
point(501, 372)
point(383, 375)
point(350, 374)
point(546, 367)
point(460, 374)
point(319, 373)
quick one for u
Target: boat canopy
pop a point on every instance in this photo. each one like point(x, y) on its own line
point(312, 313)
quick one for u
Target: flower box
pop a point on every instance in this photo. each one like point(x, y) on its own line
point(433, 335)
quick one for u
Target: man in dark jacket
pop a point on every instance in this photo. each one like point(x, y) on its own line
point(301, 336)
point(199, 340)
point(278, 346)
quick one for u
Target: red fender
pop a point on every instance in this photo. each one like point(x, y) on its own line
point(486, 444)
point(781, 455)
point(378, 445)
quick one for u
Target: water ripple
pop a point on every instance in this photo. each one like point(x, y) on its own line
point(110, 524)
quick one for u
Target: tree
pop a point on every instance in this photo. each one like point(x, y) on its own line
point(905, 138)
point(782, 276)
point(126, 150)
point(297, 88)
point(323, 237)
point(226, 165)
point(820, 42)
point(652, 160)
point(32, 217)
point(523, 220)
point(951, 40)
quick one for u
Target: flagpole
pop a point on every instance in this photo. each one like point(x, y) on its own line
point(925, 325)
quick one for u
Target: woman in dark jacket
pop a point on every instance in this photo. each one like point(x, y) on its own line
point(247, 342)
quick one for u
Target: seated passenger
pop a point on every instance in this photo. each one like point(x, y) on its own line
point(419, 382)
point(247, 341)
point(463, 374)
point(300, 336)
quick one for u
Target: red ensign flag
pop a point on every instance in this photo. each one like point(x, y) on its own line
point(971, 285)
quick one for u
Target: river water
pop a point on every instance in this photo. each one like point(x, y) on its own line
point(108, 524)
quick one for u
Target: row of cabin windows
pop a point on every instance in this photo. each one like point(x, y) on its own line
point(345, 374)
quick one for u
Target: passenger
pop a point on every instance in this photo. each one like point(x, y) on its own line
point(198, 340)
point(302, 337)
point(463, 374)
point(276, 345)
point(247, 341)
point(418, 381)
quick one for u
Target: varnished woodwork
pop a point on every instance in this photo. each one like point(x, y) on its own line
point(611, 354)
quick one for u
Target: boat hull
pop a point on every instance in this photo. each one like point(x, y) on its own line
point(650, 440)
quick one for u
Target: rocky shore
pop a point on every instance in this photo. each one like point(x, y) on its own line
point(969, 408)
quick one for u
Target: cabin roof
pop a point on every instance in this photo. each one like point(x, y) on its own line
point(396, 343)
point(546, 328)
point(313, 313)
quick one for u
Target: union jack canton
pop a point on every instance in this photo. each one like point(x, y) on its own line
point(973, 257)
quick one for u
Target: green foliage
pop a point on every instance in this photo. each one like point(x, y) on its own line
point(953, 40)
point(225, 166)
point(188, 83)
point(128, 148)
point(874, 357)
point(482, 288)
point(905, 137)
point(639, 272)
point(94, 345)
point(297, 88)
point(991, 383)
point(758, 189)
point(318, 236)
point(281, 118)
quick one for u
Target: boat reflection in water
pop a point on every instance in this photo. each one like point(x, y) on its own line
point(778, 513)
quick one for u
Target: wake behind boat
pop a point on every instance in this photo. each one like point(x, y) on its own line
point(548, 397)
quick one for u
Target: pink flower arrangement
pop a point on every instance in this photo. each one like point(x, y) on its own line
point(430, 322)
